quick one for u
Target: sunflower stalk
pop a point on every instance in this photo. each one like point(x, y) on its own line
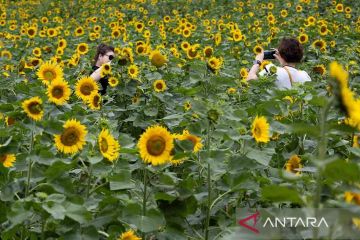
point(144, 200)
point(208, 182)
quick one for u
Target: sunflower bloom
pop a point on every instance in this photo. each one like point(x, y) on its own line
point(58, 92)
point(85, 87)
point(113, 81)
point(7, 160)
point(196, 141)
point(260, 129)
point(94, 101)
point(155, 145)
point(293, 164)
point(72, 139)
point(133, 71)
point(33, 108)
point(159, 85)
point(49, 72)
point(157, 59)
point(109, 146)
point(129, 235)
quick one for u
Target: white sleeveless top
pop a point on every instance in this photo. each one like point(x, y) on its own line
point(282, 77)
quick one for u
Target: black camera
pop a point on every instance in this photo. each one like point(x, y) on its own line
point(269, 54)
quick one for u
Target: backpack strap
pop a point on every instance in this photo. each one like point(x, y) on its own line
point(291, 79)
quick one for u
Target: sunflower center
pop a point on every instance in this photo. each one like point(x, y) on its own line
point(257, 131)
point(31, 32)
point(159, 86)
point(49, 75)
point(156, 145)
point(34, 108)
point(104, 145)
point(192, 53)
point(2, 158)
point(82, 48)
point(132, 71)
point(96, 101)
point(86, 89)
point(57, 92)
point(70, 136)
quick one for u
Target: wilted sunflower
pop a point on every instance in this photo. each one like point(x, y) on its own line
point(195, 140)
point(33, 108)
point(85, 87)
point(82, 48)
point(72, 139)
point(133, 71)
point(108, 145)
point(293, 164)
point(7, 160)
point(129, 235)
point(157, 59)
point(113, 81)
point(260, 129)
point(58, 92)
point(155, 145)
point(49, 72)
point(159, 85)
point(94, 101)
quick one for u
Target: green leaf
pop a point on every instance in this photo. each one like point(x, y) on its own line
point(77, 213)
point(341, 170)
point(277, 193)
point(57, 211)
point(121, 181)
point(261, 156)
point(149, 223)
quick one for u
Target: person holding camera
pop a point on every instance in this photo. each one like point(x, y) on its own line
point(104, 54)
point(289, 53)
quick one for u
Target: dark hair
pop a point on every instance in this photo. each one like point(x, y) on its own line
point(102, 49)
point(291, 50)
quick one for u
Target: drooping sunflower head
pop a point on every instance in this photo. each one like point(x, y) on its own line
point(293, 164)
point(155, 145)
point(157, 59)
point(85, 87)
point(260, 129)
point(159, 85)
point(7, 160)
point(129, 235)
point(72, 139)
point(94, 101)
point(195, 140)
point(59, 92)
point(208, 51)
point(33, 108)
point(49, 72)
point(108, 145)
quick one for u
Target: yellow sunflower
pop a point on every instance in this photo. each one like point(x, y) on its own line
point(113, 81)
point(257, 49)
point(303, 38)
point(7, 160)
point(94, 101)
point(185, 45)
point(109, 146)
point(196, 141)
point(159, 85)
point(72, 139)
point(49, 72)
point(214, 63)
point(85, 87)
point(82, 48)
point(58, 92)
point(208, 51)
point(157, 59)
point(31, 32)
point(192, 52)
point(187, 106)
point(320, 69)
point(129, 235)
point(293, 164)
point(133, 71)
point(260, 129)
point(33, 108)
point(155, 145)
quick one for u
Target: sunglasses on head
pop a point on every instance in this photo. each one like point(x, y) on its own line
point(111, 57)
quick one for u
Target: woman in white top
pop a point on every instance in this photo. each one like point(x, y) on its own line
point(289, 53)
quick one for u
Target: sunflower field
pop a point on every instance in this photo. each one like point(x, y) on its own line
point(181, 141)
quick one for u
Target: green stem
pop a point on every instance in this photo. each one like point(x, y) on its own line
point(89, 182)
point(30, 162)
point(144, 199)
point(209, 185)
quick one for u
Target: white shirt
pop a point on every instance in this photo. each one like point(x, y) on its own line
point(282, 77)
